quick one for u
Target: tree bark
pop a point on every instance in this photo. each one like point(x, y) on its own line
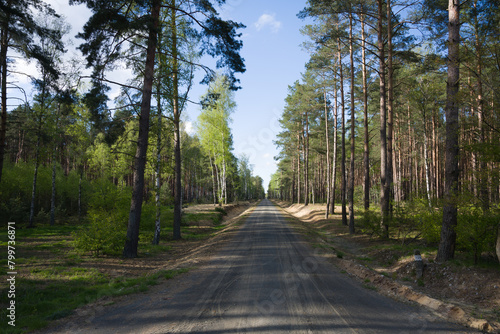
point(334, 158)
point(80, 194)
point(342, 163)
point(446, 249)
point(298, 169)
point(327, 137)
point(214, 181)
point(54, 166)
point(390, 109)
point(177, 132)
point(384, 185)
point(156, 237)
point(366, 156)
point(53, 196)
point(31, 222)
point(130, 248)
point(3, 67)
point(483, 170)
point(306, 161)
point(293, 191)
point(426, 163)
point(353, 125)
point(498, 243)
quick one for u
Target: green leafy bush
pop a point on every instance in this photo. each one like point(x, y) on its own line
point(476, 231)
point(14, 209)
point(221, 210)
point(106, 196)
point(370, 223)
point(105, 234)
point(430, 222)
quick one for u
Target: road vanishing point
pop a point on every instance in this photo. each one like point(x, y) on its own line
point(266, 279)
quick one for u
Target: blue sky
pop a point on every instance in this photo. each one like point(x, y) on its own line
point(273, 58)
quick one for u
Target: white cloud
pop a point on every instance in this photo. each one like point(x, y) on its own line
point(268, 20)
point(189, 127)
point(24, 70)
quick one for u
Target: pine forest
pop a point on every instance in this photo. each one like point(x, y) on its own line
point(137, 144)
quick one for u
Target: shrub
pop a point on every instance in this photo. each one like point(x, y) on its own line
point(42, 216)
point(15, 210)
point(370, 223)
point(476, 231)
point(221, 210)
point(104, 234)
point(106, 196)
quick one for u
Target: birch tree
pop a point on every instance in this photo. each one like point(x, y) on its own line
point(213, 127)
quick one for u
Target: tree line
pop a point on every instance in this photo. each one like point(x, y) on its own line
point(71, 148)
point(398, 110)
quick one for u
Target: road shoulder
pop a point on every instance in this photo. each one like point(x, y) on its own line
point(348, 257)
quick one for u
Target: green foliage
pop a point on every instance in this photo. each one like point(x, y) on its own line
point(108, 216)
point(104, 234)
point(430, 225)
point(476, 231)
point(369, 223)
point(16, 188)
point(414, 218)
point(14, 209)
point(105, 196)
point(221, 210)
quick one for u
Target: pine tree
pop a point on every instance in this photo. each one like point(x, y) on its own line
point(19, 31)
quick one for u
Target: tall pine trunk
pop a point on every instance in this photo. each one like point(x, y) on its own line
point(483, 170)
point(334, 158)
point(214, 181)
point(80, 194)
point(327, 137)
point(298, 170)
point(53, 196)
point(37, 158)
point(384, 185)
point(390, 109)
point(306, 161)
point(366, 153)
point(156, 237)
point(54, 166)
point(426, 162)
point(446, 249)
point(177, 132)
point(498, 242)
point(3, 67)
point(342, 163)
point(353, 124)
point(31, 222)
point(130, 248)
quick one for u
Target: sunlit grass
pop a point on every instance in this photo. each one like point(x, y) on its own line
point(54, 279)
point(53, 293)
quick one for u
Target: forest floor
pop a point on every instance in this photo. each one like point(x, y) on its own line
point(459, 291)
point(265, 279)
point(467, 294)
point(55, 281)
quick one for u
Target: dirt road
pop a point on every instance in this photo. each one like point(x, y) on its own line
point(266, 280)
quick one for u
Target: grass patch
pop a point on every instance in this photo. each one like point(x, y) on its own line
point(53, 294)
point(169, 274)
point(370, 287)
point(57, 279)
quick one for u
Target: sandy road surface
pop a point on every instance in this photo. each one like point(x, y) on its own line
point(264, 281)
